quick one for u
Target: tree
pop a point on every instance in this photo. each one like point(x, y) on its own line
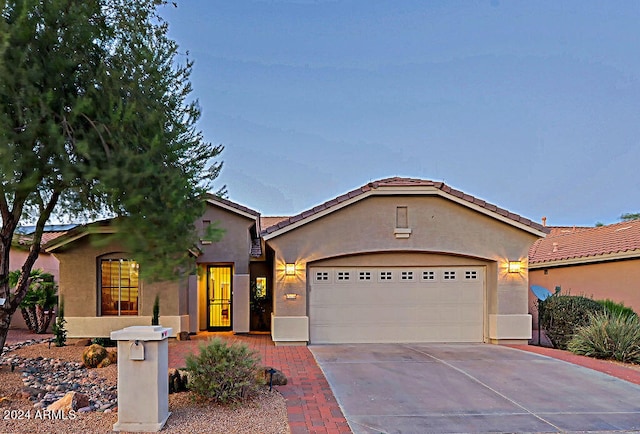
point(96, 120)
point(626, 217)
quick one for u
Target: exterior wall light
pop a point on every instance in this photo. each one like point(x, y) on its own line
point(514, 266)
point(290, 269)
point(290, 296)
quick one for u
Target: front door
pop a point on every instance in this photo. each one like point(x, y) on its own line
point(219, 297)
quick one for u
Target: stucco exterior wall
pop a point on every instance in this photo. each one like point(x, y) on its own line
point(616, 280)
point(79, 287)
point(446, 230)
point(234, 247)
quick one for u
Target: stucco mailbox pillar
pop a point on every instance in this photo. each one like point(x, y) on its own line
point(143, 381)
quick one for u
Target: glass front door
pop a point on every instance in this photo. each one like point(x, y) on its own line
point(219, 297)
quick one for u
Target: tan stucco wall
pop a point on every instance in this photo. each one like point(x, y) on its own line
point(617, 280)
point(234, 247)
point(455, 234)
point(79, 281)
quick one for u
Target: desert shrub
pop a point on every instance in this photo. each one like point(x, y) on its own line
point(608, 337)
point(155, 319)
point(562, 315)
point(223, 373)
point(104, 342)
point(59, 330)
point(616, 309)
point(93, 355)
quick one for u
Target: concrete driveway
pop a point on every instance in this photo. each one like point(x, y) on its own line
point(420, 388)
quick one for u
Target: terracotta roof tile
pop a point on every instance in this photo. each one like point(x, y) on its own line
point(233, 204)
point(564, 244)
point(400, 182)
point(265, 222)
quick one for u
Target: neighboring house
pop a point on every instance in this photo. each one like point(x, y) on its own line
point(45, 262)
point(600, 262)
point(396, 260)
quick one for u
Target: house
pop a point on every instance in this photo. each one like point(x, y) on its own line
point(45, 262)
point(396, 260)
point(600, 262)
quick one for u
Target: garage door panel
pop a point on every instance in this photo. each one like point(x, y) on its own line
point(397, 304)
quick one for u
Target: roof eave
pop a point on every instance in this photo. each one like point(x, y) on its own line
point(68, 238)
point(630, 254)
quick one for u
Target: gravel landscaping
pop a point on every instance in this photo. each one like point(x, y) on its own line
point(22, 412)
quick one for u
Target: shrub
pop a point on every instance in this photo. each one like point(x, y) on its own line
point(223, 373)
point(59, 331)
point(616, 309)
point(562, 315)
point(93, 355)
point(609, 337)
point(155, 319)
point(104, 342)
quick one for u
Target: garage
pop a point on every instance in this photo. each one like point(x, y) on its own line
point(396, 304)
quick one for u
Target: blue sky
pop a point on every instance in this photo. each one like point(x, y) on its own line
point(533, 106)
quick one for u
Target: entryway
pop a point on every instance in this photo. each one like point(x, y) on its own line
point(219, 297)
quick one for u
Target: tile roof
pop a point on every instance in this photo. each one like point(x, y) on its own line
point(561, 230)
point(233, 205)
point(268, 221)
point(590, 244)
point(401, 183)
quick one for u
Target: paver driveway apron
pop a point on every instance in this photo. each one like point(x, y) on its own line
point(418, 388)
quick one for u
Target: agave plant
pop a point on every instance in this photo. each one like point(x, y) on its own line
point(38, 305)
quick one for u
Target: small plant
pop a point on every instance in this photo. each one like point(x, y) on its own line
point(608, 336)
point(223, 373)
point(39, 301)
point(59, 331)
point(155, 319)
point(562, 315)
point(104, 342)
point(616, 309)
point(93, 355)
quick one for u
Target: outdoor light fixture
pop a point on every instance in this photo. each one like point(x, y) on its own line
point(290, 269)
point(514, 266)
point(291, 296)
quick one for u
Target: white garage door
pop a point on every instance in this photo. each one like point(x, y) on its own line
point(396, 304)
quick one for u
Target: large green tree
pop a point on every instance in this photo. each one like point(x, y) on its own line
point(96, 120)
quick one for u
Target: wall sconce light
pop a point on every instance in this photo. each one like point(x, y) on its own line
point(514, 266)
point(290, 296)
point(290, 269)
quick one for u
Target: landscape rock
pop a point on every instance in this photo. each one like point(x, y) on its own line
point(277, 378)
point(178, 381)
point(70, 401)
point(93, 355)
point(83, 343)
point(184, 336)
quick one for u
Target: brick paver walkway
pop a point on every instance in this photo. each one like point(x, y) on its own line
point(311, 406)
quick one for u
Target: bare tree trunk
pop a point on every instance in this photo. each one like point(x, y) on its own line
point(5, 321)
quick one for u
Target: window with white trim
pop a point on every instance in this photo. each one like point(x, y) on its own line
point(428, 275)
point(344, 275)
point(406, 275)
point(364, 275)
point(449, 275)
point(385, 275)
point(322, 276)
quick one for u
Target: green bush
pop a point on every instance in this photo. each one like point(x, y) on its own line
point(223, 373)
point(59, 330)
point(609, 337)
point(616, 309)
point(562, 315)
point(104, 342)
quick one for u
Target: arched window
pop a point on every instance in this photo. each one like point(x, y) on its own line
point(119, 287)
